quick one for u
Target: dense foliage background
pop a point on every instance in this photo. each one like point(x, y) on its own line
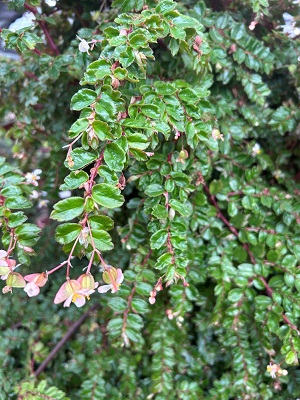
point(183, 170)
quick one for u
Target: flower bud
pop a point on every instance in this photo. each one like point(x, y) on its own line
point(151, 300)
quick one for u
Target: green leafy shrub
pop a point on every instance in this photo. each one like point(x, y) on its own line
point(164, 137)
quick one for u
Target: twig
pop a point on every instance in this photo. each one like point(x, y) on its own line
point(43, 25)
point(67, 336)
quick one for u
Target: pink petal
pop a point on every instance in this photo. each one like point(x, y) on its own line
point(3, 253)
point(32, 289)
point(66, 289)
point(104, 288)
point(31, 277)
point(3, 263)
point(68, 301)
point(80, 301)
point(120, 276)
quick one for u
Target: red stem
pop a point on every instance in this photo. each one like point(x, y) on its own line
point(43, 25)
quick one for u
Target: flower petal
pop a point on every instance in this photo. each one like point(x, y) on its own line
point(64, 292)
point(120, 276)
point(80, 301)
point(32, 289)
point(68, 301)
point(3, 253)
point(104, 288)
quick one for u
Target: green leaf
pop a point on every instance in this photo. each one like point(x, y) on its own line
point(154, 190)
point(68, 209)
point(140, 306)
point(114, 157)
point(164, 261)
point(16, 219)
point(101, 222)
point(66, 233)
point(102, 130)
point(117, 304)
point(184, 209)
point(79, 126)
point(186, 22)
point(74, 180)
point(263, 302)
point(151, 111)
point(291, 357)
point(158, 239)
point(27, 234)
point(137, 141)
point(107, 195)
point(235, 295)
point(81, 158)
point(102, 240)
point(83, 98)
point(19, 202)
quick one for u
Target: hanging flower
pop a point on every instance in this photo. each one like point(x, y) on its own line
point(114, 277)
point(83, 45)
point(33, 177)
point(35, 282)
point(75, 291)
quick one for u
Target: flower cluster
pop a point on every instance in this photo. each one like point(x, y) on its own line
point(75, 291)
point(276, 371)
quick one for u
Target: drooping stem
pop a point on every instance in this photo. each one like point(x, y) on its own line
point(56, 268)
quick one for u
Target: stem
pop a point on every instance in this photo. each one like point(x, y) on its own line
point(43, 25)
point(69, 258)
point(64, 340)
point(56, 268)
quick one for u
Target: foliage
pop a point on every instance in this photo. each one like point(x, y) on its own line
point(169, 131)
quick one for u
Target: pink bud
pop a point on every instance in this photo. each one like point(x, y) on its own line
point(153, 293)
point(152, 300)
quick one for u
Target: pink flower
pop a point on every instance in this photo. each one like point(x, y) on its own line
point(114, 277)
point(76, 291)
point(35, 281)
point(6, 265)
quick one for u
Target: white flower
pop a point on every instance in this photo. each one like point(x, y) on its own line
point(33, 177)
point(256, 149)
point(114, 277)
point(42, 203)
point(278, 174)
point(83, 45)
point(34, 194)
point(289, 26)
point(64, 194)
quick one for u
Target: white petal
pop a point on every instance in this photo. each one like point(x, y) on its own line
point(104, 288)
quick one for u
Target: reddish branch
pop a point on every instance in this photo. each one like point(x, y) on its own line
point(43, 25)
point(73, 328)
point(232, 229)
